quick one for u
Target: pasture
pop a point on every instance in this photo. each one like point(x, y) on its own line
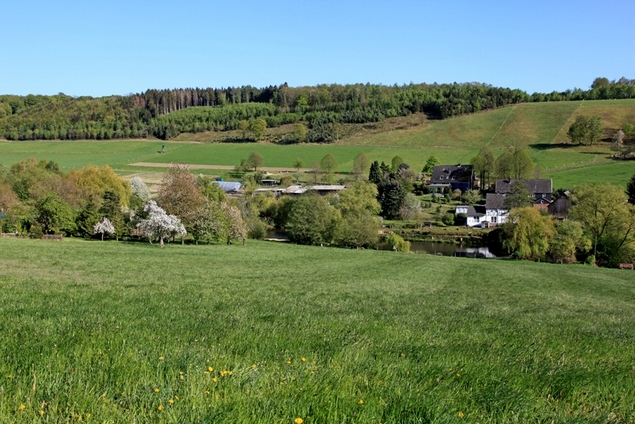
point(276, 333)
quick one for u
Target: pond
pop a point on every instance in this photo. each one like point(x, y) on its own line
point(451, 249)
point(445, 249)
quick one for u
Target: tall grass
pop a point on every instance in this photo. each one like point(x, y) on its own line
point(115, 332)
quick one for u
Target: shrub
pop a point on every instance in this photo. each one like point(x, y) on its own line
point(448, 219)
point(397, 243)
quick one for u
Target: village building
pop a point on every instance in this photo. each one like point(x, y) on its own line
point(447, 178)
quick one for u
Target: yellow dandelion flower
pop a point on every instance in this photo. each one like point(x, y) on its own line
point(87, 416)
point(215, 380)
point(21, 407)
point(361, 401)
point(288, 362)
point(458, 374)
point(176, 397)
point(303, 359)
point(298, 420)
point(206, 372)
point(180, 372)
point(210, 369)
point(207, 392)
point(160, 408)
point(156, 390)
point(171, 401)
point(461, 414)
point(42, 412)
point(254, 366)
point(79, 418)
point(161, 358)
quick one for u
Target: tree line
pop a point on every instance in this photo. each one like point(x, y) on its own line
point(166, 113)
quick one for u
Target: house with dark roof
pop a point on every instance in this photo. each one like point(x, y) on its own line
point(474, 215)
point(540, 189)
point(451, 177)
point(495, 210)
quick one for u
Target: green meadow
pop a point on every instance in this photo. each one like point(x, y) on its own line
point(271, 333)
point(542, 127)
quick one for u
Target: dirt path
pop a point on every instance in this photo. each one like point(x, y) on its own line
point(223, 167)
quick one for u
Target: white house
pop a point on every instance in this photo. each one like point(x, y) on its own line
point(473, 217)
point(495, 210)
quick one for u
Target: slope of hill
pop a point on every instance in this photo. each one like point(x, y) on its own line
point(128, 332)
point(541, 126)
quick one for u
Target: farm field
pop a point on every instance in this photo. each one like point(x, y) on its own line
point(541, 126)
point(271, 333)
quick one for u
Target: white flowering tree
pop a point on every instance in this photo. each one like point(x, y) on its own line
point(159, 225)
point(104, 226)
point(140, 189)
point(236, 227)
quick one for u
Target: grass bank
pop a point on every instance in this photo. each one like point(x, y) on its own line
point(269, 332)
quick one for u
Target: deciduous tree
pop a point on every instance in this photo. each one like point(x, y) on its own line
point(104, 226)
point(255, 161)
point(430, 164)
point(158, 224)
point(179, 194)
point(328, 164)
point(606, 217)
point(259, 128)
point(311, 220)
point(361, 164)
point(484, 166)
point(527, 233)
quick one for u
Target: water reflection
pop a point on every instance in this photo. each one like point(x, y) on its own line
point(449, 249)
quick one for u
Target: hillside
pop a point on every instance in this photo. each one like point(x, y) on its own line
point(542, 126)
point(129, 332)
point(321, 109)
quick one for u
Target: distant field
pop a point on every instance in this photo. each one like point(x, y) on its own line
point(541, 126)
point(121, 332)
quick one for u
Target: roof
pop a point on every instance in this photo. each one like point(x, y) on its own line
point(299, 189)
point(446, 173)
point(330, 187)
point(229, 186)
point(495, 201)
point(533, 186)
point(471, 211)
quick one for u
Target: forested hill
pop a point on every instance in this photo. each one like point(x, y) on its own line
point(166, 113)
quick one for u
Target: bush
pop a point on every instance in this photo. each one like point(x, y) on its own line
point(397, 243)
point(448, 219)
point(286, 181)
point(257, 229)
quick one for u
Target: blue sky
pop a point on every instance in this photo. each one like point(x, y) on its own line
point(99, 48)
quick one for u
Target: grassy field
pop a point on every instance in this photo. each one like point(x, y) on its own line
point(541, 126)
point(115, 332)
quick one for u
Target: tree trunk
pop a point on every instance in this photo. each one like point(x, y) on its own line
point(161, 242)
point(102, 236)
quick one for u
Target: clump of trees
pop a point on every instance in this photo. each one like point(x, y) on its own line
point(600, 229)
point(37, 198)
point(586, 130)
